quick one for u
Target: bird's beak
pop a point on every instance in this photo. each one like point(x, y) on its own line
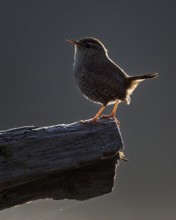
point(73, 42)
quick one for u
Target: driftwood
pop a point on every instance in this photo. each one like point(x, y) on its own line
point(73, 161)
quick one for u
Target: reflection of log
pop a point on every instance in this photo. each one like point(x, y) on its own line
point(81, 184)
point(31, 156)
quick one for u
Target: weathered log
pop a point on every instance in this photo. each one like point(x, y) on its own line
point(31, 156)
point(80, 184)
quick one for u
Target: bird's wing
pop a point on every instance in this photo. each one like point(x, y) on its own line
point(109, 82)
point(109, 79)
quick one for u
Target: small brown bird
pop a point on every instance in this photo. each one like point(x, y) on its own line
point(100, 79)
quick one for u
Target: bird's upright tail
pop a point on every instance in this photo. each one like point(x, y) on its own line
point(143, 77)
point(134, 81)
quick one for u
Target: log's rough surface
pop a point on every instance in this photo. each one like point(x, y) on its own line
point(80, 184)
point(29, 154)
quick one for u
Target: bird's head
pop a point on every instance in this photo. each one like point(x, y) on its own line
point(89, 46)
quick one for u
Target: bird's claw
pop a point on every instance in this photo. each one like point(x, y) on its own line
point(111, 117)
point(89, 121)
point(107, 116)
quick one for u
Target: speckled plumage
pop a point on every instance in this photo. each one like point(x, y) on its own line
point(98, 77)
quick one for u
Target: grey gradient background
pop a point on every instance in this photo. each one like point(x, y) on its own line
point(37, 88)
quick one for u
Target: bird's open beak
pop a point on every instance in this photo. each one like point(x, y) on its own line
point(73, 42)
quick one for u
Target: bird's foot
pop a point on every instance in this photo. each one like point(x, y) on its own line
point(111, 116)
point(89, 121)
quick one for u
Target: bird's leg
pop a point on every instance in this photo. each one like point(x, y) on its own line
point(113, 113)
point(94, 119)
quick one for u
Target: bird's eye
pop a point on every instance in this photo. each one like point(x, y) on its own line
point(87, 45)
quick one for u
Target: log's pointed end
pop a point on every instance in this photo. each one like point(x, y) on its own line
point(121, 156)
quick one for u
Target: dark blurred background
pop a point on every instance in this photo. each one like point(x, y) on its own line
point(37, 88)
